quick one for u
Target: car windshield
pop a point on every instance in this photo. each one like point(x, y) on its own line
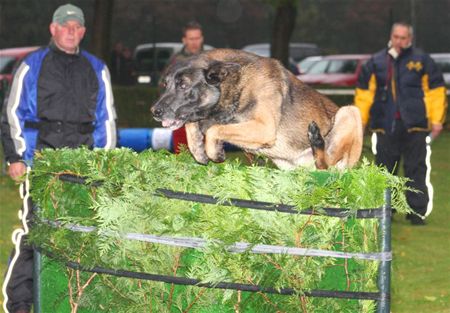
point(333, 67)
point(319, 68)
point(6, 64)
point(342, 66)
point(306, 64)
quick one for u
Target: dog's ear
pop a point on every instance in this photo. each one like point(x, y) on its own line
point(218, 71)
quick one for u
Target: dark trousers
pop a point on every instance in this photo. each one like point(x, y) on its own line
point(19, 288)
point(411, 147)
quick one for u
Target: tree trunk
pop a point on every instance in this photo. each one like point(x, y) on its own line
point(101, 31)
point(283, 26)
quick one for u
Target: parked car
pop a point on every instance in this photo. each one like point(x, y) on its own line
point(151, 59)
point(9, 58)
point(297, 52)
point(336, 70)
point(305, 64)
point(443, 61)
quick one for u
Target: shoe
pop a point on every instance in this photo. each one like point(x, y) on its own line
point(416, 220)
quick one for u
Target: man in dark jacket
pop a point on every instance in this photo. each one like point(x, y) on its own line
point(402, 92)
point(60, 97)
point(192, 42)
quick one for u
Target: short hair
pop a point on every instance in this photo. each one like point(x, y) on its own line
point(190, 26)
point(403, 24)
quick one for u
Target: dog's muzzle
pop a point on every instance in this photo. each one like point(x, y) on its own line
point(172, 124)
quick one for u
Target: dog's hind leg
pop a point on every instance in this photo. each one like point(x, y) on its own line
point(344, 142)
point(317, 146)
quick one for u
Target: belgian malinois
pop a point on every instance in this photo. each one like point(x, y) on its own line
point(253, 102)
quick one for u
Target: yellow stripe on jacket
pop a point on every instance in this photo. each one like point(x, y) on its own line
point(364, 99)
point(435, 102)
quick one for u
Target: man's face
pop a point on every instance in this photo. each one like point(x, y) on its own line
point(193, 40)
point(400, 38)
point(67, 36)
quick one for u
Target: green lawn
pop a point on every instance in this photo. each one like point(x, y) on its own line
point(9, 204)
point(421, 267)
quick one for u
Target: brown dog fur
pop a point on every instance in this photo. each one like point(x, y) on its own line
point(256, 104)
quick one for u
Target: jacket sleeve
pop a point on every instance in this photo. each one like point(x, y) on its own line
point(365, 91)
point(435, 93)
point(105, 135)
point(12, 119)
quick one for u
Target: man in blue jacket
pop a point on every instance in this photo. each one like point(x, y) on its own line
point(60, 97)
point(402, 92)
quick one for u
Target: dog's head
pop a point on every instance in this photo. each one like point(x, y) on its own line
point(192, 90)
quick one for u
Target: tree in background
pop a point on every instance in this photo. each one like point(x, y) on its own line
point(283, 26)
point(101, 30)
point(336, 26)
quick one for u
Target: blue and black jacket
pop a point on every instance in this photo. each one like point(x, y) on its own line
point(410, 88)
point(58, 100)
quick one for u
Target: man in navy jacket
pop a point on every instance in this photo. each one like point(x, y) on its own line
point(402, 92)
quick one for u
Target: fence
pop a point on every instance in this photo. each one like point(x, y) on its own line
point(383, 214)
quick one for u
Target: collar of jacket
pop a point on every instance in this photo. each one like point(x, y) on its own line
point(186, 53)
point(56, 49)
point(403, 53)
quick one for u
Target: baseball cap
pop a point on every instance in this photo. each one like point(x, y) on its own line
point(68, 12)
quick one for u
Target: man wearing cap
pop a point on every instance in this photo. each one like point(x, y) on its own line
point(60, 97)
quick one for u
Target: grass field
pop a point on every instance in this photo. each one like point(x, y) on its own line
point(421, 266)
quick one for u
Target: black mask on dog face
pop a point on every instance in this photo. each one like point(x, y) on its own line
point(192, 91)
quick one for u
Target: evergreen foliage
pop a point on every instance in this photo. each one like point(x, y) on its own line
point(127, 202)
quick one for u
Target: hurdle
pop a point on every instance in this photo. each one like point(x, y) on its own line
point(383, 256)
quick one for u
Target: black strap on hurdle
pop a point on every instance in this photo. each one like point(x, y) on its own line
point(256, 205)
point(357, 295)
point(70, 178)
point(267, 206)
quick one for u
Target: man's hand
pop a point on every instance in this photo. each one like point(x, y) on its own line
point(16, 170)
point(435, 130)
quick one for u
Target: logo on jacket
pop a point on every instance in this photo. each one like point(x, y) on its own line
point(414, 66)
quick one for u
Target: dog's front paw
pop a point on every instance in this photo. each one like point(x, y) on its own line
point(200, 156)
point(215, 152)
point(220, 155)
point(314, 136)
point(213, 145)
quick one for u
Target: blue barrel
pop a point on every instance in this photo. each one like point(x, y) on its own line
point(140, 139)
